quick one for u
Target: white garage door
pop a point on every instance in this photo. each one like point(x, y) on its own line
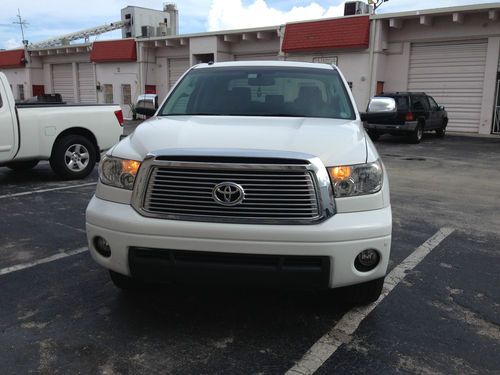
point(176, 68)
point(453, 73)
point(62, 79)
point(256, 57)
point(86, 84)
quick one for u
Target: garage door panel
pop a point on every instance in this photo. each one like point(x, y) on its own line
point(256, 57)
point(176, 68)
point(62, 81)
point(86, 84)
point(453, 73)
point(447, 70)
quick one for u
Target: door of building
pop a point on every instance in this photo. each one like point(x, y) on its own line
point(453, 73)
point(87, 92)
point(62, 81)
point(176, 68)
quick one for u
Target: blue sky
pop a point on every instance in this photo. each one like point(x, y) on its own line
point(56, 17)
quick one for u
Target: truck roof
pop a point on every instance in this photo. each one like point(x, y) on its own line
point(401, 93)
point(296, 64)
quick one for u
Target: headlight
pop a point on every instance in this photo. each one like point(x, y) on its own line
point(359, 179)
point(118, 172)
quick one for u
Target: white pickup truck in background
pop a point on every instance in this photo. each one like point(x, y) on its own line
point(71, 137)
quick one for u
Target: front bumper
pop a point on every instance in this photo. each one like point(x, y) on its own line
point(339, 239)
point(408, 126)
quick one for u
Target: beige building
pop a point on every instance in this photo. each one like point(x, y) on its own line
point(450, 53)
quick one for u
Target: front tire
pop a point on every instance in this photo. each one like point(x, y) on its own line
point(441, 132)
point(73, 157)
point(22, 165)
point(366, 293)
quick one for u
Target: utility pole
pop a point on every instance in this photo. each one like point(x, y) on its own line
point(376, 3)
point(22, 23)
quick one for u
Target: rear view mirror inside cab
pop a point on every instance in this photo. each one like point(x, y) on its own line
point(260, 80)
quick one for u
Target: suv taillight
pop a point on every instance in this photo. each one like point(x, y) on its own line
point(409, 116)
point(119, 116)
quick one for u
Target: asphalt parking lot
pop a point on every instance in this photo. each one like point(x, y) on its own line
point(60, 314)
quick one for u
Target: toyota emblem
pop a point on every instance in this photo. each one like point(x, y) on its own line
point(228, 193)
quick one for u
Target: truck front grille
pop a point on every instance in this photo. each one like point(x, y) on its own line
point(274, 194)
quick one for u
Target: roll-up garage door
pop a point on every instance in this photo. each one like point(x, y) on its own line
point(86, 83)
point(176, 68)
point(453, 73)
point(62, 79)
point(256, 57)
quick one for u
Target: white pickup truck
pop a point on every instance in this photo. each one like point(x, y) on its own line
point(70, 136)
point(256, 173)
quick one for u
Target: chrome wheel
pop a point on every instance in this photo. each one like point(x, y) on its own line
point(420, 133)
point(76, 157)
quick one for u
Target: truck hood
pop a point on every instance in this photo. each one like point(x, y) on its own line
point(334, 141)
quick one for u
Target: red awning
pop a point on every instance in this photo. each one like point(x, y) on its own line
point(114, 50)
point(12, 59)
point(339, 33)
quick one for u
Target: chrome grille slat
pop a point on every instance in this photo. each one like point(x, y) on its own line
point(256, 206)
point(235, 214)
point(270, 194)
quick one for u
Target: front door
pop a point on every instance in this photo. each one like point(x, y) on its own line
point(435, 114)
point(8, 136)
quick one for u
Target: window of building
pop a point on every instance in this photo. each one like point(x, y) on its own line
point(108, 93)
point(20, 92)
point(126, 94)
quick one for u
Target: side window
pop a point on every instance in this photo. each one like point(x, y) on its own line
point(402, 103)
point(432, 102)
point(419, 104)
point(108, 94)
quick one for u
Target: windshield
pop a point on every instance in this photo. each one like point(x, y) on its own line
point(260, 91)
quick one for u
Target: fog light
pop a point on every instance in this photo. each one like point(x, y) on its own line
point(367, 260)
point(102, 246)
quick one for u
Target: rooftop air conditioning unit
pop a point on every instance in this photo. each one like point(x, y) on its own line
point(352, 8)
point(147, 31)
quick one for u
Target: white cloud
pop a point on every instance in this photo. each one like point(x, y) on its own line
point(233, 14)
point(55, 17)
point(12, 43)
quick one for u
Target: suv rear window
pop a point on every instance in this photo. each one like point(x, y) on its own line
point(260, 91)
point(401, 102)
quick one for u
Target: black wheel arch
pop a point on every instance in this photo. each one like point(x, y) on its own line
point(79, 131)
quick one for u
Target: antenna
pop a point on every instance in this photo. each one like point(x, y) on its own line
point(376, 3)
point(22, 23)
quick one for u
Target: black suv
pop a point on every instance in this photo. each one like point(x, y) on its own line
point(404, 113)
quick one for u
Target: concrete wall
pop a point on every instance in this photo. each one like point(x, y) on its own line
point(17, 77)
point(117, 74)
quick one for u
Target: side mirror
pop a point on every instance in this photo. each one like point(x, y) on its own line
point(147, 104)
point(441, 107)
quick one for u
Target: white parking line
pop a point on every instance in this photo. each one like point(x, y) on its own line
point(51, 258)
point(46, 190)
point(342, 332)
